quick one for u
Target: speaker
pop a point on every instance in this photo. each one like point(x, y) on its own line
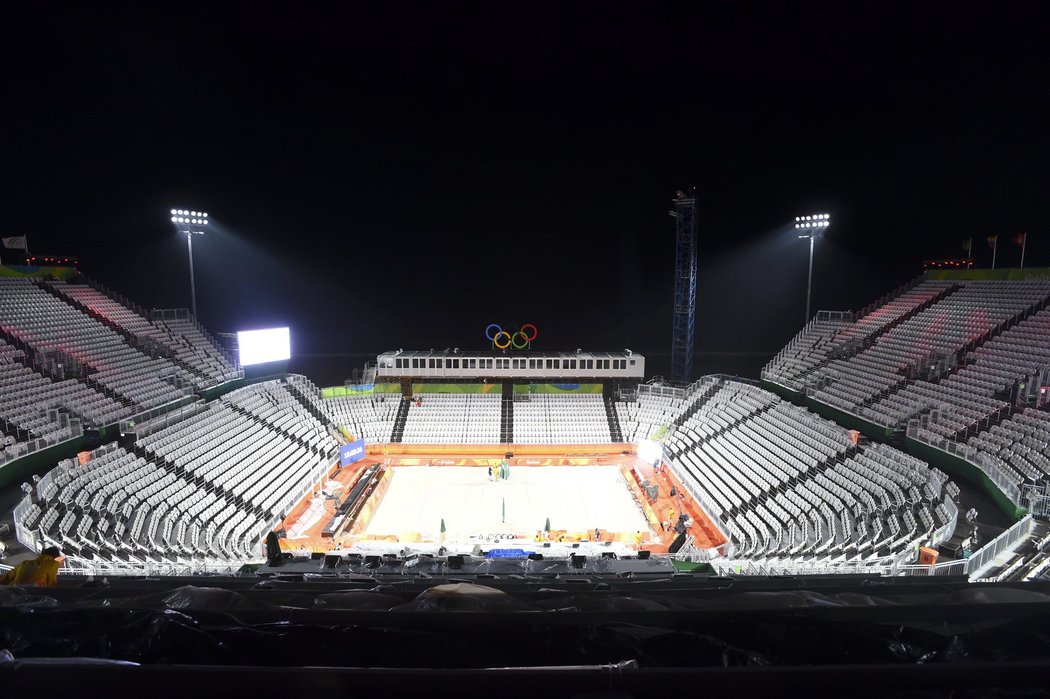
point(643, 555)
point(373, 562)
point(456, 562)
point(608, 554)
point(577, 560)
point(535, 556)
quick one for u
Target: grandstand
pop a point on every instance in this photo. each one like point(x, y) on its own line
point(941, 376)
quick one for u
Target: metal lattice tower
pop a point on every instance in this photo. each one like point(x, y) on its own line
point(684, 288)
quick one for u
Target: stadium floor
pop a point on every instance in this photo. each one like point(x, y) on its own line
point(599, 496)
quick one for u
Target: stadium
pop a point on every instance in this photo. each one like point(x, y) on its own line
point(903, 441)
point(863, 449)
point(366, 350)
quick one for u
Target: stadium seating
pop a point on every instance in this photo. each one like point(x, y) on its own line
point(205, 487)
point(956, 348)
point(644, 417)
point(543, 418)
point(959, 367)
point(1019, 446)
point(788, 484)
point(829, 334)
point(966, 400)
point(76, 342)
point(37, 411)
point(182, 339)
point(366, 416)
point(928, 343)
point(462, 418)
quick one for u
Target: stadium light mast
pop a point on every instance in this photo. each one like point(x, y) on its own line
point(191, 223)
point(684, 287)
point(811, 227)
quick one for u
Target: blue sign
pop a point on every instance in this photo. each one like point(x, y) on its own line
point(349, 453)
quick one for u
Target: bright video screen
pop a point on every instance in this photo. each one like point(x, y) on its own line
point(261, 346)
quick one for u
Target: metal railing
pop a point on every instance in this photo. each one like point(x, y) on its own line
point(159, 418)
point(73, 565)
point(1003, 481)
point(1009, 539)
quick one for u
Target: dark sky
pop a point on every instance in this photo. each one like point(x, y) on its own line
point(403, 175)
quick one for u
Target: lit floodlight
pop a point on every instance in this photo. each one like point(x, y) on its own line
point(811, 227)
point(187, 221)
point(649, 451)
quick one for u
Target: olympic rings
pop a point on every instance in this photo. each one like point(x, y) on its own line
point(518, 338)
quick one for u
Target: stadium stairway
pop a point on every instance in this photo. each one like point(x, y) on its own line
point(399, 422)
point(698, 401)
point(506, 417)
point(615, 434)
point(297, 393)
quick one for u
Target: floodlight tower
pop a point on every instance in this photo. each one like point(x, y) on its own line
point(191, 223)
point(811, 227)
point(684, 288)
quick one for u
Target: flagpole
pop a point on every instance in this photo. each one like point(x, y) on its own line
point(995, 250)
point(1024, 244)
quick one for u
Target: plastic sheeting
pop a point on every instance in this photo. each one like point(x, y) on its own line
point(467, 625)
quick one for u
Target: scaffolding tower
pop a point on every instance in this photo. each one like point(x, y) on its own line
point(684, 288)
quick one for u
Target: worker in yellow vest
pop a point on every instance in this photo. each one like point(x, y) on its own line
point(41, 571)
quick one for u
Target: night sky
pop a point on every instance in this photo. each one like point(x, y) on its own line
point(401, 177)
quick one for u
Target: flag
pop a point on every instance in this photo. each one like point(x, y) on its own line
point(968, 246)
point(992, 240)
point(17, 242)
point(1019, 239)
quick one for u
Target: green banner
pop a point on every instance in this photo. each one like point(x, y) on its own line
point(336, 391)
point(1004, 274)
point(65, 273)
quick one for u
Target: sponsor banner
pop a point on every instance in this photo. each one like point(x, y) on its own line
point(65, 273)
point(419, 388)
point(336, 391)
point(352, 452)
point(565, 388)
